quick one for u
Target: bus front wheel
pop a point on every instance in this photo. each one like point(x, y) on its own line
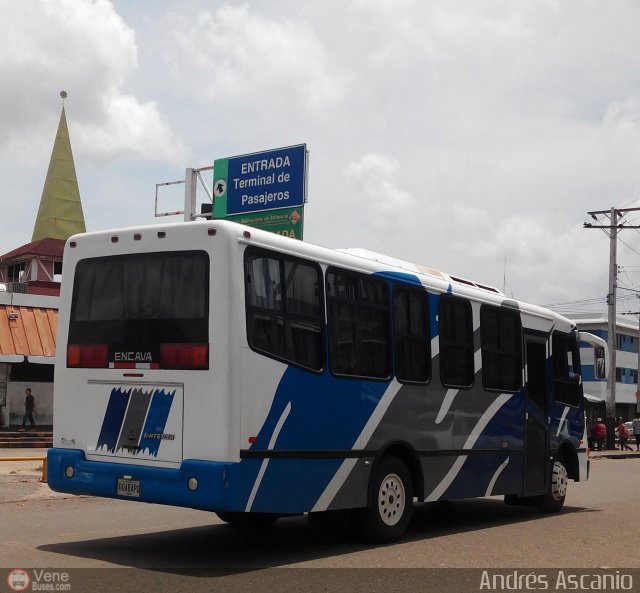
point(388, 513)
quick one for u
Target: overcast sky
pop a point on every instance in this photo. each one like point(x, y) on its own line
point(455, 134)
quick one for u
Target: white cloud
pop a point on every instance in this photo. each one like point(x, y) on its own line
point(624, 115)
point(375, 194)
point(131, 129)
point(528, 258)
point(85, 48)
point(238, 54)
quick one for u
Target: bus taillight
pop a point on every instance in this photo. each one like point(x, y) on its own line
point(88, 356)
point(184, 356)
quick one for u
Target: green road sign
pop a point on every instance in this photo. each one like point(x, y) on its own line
point(285, 221)
point(260, 181)
point(265, 190)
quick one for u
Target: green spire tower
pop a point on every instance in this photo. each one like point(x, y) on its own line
point(60, 213)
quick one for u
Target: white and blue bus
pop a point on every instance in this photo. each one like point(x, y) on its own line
point(219, 367)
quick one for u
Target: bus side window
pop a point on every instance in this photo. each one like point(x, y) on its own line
point(456, 342)
point(284, 313)
point(358, 321)
point(501, 339)
point(566, 369)
point(412, 335)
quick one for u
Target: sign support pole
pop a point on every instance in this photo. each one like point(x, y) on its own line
point(189, 195)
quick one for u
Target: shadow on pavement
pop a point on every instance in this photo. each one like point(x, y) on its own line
point(212, 549)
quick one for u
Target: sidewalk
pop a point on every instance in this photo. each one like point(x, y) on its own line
point(615, 454)
point(20, 480)
point(28, 461)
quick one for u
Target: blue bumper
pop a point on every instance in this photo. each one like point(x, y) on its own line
point(157, 484)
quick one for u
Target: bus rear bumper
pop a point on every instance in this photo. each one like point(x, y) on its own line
point(149, 484)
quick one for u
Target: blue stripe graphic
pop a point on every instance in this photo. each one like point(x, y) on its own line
point(113, 418)
point(326, 413)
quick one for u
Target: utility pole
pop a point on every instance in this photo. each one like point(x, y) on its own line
point(616, 223)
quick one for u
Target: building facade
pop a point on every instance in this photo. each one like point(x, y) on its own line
point(28, 328)
point(626, 371)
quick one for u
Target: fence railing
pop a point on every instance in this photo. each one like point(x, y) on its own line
point(18, 287)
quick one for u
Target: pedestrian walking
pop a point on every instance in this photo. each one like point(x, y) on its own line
point(599, 435)
point(623, 436)
point(29, 408)
point(636, 430)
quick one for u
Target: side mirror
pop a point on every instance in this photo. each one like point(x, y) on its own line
point(600, 354)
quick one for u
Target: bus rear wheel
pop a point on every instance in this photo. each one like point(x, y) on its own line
point(248, 519)
point(388, 513)
point(553, 500)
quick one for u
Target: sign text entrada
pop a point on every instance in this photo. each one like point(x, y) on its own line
point(263, 181)
point(266, 198)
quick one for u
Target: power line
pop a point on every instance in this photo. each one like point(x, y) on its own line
point(572, 303)
point(630, 289)
point(631, 202)
point(629, 246)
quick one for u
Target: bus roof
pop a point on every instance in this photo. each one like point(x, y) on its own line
point(361, 259)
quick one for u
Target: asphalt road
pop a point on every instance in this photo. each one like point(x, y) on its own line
point(597, 530)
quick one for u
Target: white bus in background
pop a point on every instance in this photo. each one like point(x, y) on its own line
point(215, 366)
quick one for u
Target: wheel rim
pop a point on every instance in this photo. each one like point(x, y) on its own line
point(559, 480)
point(391, 499)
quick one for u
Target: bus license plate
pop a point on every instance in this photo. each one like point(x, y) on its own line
point(128, 488)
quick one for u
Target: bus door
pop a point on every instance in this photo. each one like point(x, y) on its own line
point(536, 441)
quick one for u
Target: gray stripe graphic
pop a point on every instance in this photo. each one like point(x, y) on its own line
point(134, 420)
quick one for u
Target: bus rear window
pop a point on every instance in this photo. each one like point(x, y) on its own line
point(126, 310)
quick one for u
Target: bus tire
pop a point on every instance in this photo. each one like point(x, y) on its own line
point(255, 520)
point(553, 500)
point(388, 513)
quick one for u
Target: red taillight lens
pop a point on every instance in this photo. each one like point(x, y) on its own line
point(184, 356)
point(88, 356)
